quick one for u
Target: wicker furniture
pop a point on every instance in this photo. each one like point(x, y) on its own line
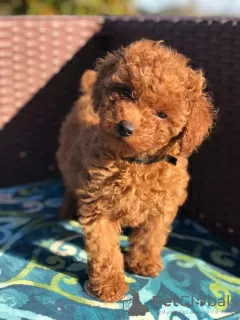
point(41, 61)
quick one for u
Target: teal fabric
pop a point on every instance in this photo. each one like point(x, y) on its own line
point(43, 268)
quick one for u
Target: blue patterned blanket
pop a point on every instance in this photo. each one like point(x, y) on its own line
point(43, 268)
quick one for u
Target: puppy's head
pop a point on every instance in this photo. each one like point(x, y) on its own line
point(147, 97)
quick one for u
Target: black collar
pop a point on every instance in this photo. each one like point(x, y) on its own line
point(157, 158)
point(153, 159)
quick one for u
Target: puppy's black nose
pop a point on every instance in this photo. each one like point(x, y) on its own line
point(125, 128)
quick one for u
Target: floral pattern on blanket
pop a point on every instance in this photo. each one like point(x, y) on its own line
point(43, 268)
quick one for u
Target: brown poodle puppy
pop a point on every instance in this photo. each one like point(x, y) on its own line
point(123, 155)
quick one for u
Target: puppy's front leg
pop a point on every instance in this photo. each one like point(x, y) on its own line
point(146, 243)
point(106, 270)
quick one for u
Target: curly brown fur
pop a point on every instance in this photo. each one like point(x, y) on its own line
point(111, 192)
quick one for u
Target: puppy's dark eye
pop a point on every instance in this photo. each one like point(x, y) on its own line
point(161, 115)
point(127, 93)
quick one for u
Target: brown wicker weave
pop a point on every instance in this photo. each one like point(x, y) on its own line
point(40, 65)
point(35, 96)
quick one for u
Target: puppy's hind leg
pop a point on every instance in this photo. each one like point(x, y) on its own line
point(69, 207)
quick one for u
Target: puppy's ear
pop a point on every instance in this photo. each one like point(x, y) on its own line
point(87, 80)
point(104, 68)
point(201, 117)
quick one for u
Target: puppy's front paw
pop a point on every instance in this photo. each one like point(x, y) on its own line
point(108, 290)
point(144, 267)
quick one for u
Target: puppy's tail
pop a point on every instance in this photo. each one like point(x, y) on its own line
point(87, 81)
